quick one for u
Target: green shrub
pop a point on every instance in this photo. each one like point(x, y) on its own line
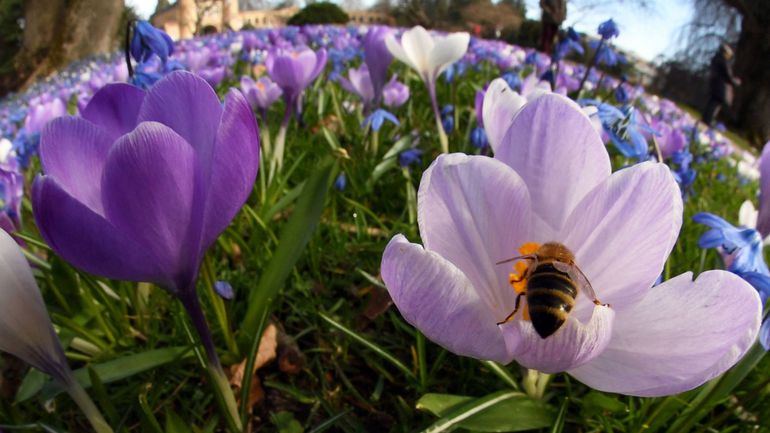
point(319, 13)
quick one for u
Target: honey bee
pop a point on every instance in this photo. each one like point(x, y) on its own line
point(552, 284)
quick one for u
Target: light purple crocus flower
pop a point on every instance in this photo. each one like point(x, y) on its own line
point(670, 140)
point(551, 181)
point(377, 58)
point(11, 188)
point(43, 112)
point(140, 186)
point(261, 94)
point(359, 84)
point(26, 330)
point(293, 71)
point(395, 93)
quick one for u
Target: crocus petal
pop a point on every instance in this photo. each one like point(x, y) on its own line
point(234, 166)
point(320, 63)
point(682, 334)
point(475, 212)
point(25, 329)
point(187, 104)
point(397, 50)
point(87, 240)
point(557, 176)
point(115, 108)
point(438, 299)
point(747, 215)
point(499, 108)
point(623, 231)
point(763, 220)
point(447, 50)
point(73, 150)
point(148, 192)
point(417, 44)
point(574, 344)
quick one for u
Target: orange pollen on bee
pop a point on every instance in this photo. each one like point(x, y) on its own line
point(520, 267)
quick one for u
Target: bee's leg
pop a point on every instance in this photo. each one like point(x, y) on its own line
point(515, 309)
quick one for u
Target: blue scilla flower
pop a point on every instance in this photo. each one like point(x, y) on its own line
point(764, 334)
point(143, 78)
point(341, 182)
point(605, 55)
point(531, 58)
point(744, 244)
point(608, 114)
point(410, 157)
point(479, 138)
point(513, 80)
point(25, 145)
point(378, 118)
point(225, 290)
point(148, 40)
point(447, 110)
point(448, 123)
point(621, 95)
point(609, 29)
point(568, 44)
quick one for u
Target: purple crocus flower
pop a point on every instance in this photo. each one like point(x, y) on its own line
point(41, 113)
point(475, 212)
point(377, 58)
point(359, 84)
point(140, 186)
point(11, 189)
point(293, 71)
point(262, 93)
point(395, 93)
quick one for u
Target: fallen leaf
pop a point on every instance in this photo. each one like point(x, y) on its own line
point(265, 354)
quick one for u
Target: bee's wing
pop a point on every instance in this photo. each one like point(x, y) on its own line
point(578, 277)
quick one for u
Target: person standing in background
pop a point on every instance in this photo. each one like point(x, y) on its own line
point(721, 84)
point(554, 13)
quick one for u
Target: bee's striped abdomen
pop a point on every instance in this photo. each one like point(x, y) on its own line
point(550, 297)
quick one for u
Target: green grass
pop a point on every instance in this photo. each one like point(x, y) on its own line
point(347, 361)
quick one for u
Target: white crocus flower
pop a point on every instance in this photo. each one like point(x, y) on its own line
point(26, 331)
point(429, 55)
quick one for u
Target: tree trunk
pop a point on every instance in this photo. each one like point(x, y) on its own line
point(752, 66)
point(58, 32)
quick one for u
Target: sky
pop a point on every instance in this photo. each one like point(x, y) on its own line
point(647, 33)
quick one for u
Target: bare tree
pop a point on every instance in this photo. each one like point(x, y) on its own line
point(745, 24)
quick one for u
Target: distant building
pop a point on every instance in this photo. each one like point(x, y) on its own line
point(181, 19)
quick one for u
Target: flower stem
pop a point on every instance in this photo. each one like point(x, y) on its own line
point(223, 392)
point(534, 383)
point(590, 65)
point(88, 407)
point(276, 159)
point(434, 102)
point(375, 142)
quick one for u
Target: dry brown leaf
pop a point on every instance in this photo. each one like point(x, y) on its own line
point(379, 301)
point(265, 354)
